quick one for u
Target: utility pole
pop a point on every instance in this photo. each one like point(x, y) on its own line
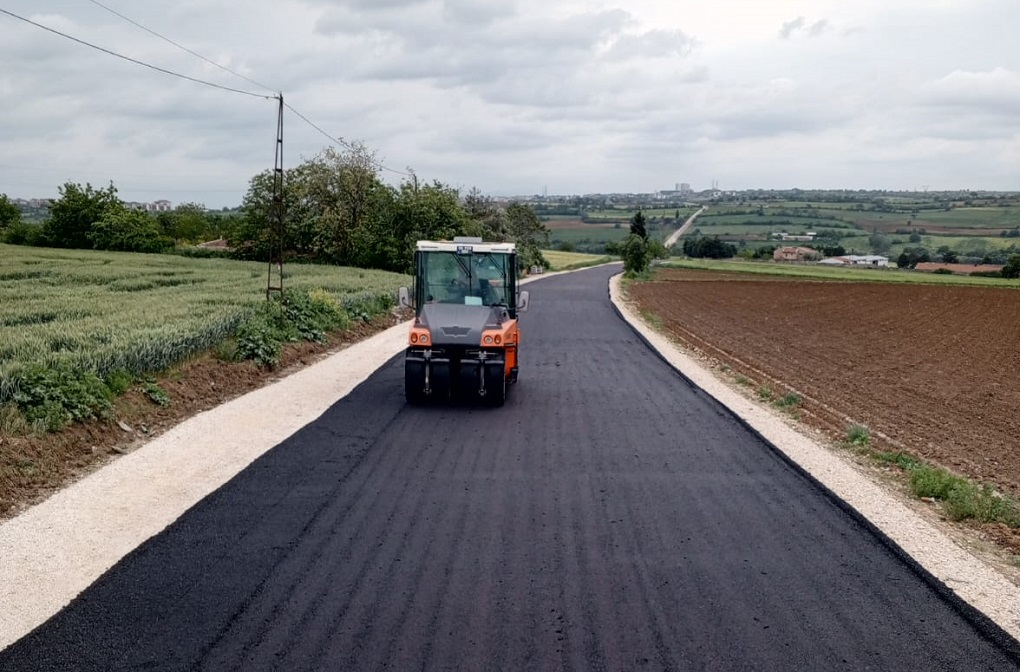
point(277, 229)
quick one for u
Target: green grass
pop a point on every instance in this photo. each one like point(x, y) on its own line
point(588, 234)
point(836, 273)
point(106, 311)
point(565, 261)
point(625, 214)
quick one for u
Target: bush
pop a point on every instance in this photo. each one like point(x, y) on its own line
point(23, 233)
point(301, 316)
point(55, 396)
point(119, 381)
point(1012, 268)
point(258, 339)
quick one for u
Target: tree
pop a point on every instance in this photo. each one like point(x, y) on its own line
point(912, 256)
point(1012, 267)
point(418, 212)
point(74, 213)
point(879, 243)
point(343, 189)
point(637, 225)
point(636, 255)
point(711, 248)
point(524, 228)
point(950, 257)
point(187, 223)
point(124, 230)
point(10, 214)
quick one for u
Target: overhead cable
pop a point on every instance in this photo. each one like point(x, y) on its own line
point(136, 61)
point(342, 142)
point(180, 46)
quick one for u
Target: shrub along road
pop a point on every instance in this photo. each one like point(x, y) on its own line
point(610, 516)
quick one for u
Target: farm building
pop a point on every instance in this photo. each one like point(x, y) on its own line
point(795, 254)
point(868, 260)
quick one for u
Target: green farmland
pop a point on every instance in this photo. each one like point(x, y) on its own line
point(110, 311)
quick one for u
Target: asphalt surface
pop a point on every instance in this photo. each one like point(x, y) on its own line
point(609, 517)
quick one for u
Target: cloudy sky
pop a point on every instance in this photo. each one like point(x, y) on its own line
point(517, 96)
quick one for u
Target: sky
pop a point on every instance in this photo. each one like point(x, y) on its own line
point(514, 97)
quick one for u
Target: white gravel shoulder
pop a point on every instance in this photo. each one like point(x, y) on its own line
point(970, 578)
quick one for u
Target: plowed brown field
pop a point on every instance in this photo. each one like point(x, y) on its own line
point(931, 370)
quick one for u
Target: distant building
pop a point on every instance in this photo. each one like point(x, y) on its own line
point(155, 206)
point(798, 237)
point(865, 260)
point(796, 254)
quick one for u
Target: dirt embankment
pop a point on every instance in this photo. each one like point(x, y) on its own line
point(930, 370)
point(33, 467)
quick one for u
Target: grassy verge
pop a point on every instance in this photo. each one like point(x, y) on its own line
point(568, 261)
point(961, 499)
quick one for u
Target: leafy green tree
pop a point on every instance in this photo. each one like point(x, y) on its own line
point(419, 212)
point(76, 211)
point(1012, 267)
point(711, 248)
point(524, 228)
point(636, 255)
point(251, 235)
point(637, 225)
point(10, 214)
point(950, 257)
point(187, 223)
point(879, 243)
point(344, 191)
point(124, 230)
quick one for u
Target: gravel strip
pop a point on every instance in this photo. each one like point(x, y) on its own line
point(971, 579)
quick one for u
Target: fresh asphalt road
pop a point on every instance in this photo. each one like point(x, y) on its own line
point(609, 517)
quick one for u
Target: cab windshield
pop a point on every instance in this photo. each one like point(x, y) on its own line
point(473, 279)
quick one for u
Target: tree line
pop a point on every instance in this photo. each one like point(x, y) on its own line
point(337, 210)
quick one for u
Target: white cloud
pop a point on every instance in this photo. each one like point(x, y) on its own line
point(513, 96)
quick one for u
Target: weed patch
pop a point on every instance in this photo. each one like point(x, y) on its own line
point(858, 435)
point(963, 499)
point(156, 394)
point(789, 401)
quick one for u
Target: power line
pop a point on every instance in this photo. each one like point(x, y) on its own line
point(135, 61)
point(342, 142)
point(335, 140)
point(180, 46)
point(339, 141)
